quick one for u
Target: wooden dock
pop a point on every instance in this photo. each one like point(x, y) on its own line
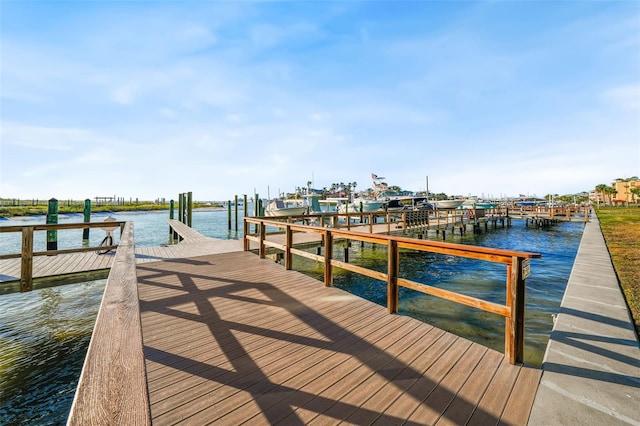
point(66, 268)
point(231, 338)
point(234, 339)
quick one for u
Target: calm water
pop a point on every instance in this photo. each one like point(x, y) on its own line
point(44, 334)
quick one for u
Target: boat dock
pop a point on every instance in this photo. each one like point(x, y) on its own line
point(232, 337)
point(77, 265)
point(80, 266)
point(216, 334)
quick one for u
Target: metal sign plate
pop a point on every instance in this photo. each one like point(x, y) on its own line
point(526, 268)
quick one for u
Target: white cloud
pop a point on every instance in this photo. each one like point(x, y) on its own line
point(42, 137)
point(219, 98)
point(123, 95)
point(627, 97)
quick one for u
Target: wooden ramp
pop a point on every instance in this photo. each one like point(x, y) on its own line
point(234, 339)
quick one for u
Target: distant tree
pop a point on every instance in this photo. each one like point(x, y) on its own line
point(600, 189)
point(441, 196)
point(635, 193)
point(610, 190)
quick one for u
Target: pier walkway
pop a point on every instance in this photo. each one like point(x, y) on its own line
point(591, 369)
point(234, 339)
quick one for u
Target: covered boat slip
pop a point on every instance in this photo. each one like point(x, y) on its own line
point(231, 338)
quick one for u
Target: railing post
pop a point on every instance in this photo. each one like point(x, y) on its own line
point(392, 277)
point(263, 249)
point(514, 339)
point(245, 233)
point(288, 257)
point(26, 268)
point(328, 254)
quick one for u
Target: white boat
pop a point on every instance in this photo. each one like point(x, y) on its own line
point(280, 208)
point(407, 202)
point(474, 203)
point(361, 205)
point(446, 204)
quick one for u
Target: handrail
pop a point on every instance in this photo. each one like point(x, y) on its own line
point(516, 262)
point(113, 386)
point(27, 254)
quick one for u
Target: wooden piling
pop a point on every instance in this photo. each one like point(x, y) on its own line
point(87, 218)
point(236, 211)
point(172, 234)
point(190, 209)
point(26, 268)
point(52, 218)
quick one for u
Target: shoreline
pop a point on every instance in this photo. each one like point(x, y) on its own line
point(4, 216)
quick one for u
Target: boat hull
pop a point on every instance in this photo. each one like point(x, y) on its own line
point(447, 204)
point(361, 207)
point(287, 211)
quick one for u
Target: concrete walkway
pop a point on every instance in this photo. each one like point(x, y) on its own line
point(591, 370)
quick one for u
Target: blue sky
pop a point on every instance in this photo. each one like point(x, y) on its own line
point(149, 99)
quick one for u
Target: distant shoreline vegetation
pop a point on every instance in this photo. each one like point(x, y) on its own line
point(16, 208)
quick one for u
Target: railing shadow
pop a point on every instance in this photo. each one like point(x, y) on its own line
point(206, 289)
point(611, 348)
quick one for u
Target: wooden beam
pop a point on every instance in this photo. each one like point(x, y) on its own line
point(113, 386)
point(393, 258)
point(26, 267)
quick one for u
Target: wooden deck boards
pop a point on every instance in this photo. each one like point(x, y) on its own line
point(70, 263)
point(232, 339)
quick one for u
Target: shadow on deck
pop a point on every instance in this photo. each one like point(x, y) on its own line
point(233, 339)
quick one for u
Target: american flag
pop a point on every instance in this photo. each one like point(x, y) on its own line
point(374, 176)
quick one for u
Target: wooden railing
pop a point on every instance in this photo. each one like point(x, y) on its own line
point(516, 262)
point(558, 212)
point(113, 388)
point(27, 254)
point(394, 220)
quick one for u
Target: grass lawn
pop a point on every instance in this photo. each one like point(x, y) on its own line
point(621, 230)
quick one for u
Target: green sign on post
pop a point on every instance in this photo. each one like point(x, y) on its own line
point(52, 218)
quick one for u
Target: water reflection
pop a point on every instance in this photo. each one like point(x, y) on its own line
point(476, 278)
point(44, 336)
